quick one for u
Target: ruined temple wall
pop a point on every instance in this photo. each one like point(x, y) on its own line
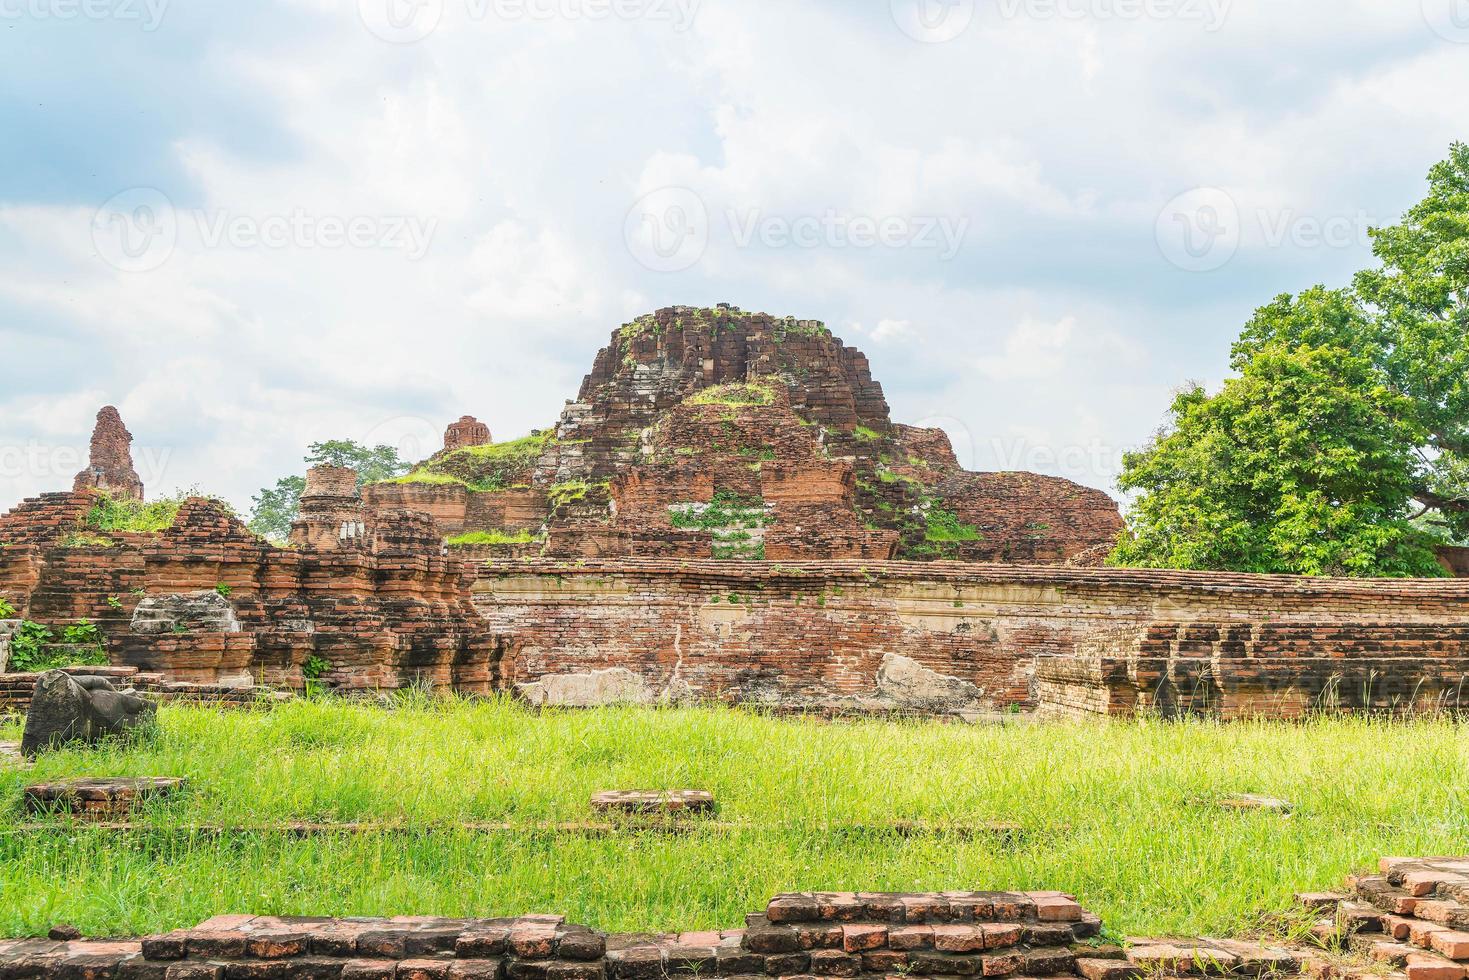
point(818, 634)
point(380, 620)
point(448, 504)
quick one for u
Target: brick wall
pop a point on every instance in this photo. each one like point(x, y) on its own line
point(820, 634)
point(1278, 668)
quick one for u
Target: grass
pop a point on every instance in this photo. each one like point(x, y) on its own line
point(491, 537)
point(486, 469)
point(734, 395)
point(423, 476)
point(1110, 812)
point(945, 525)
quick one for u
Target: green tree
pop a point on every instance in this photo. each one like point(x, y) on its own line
point(275, 508)
point(1304, 463)
point(1421, 296)
point(372, 464)
point(1342, 445)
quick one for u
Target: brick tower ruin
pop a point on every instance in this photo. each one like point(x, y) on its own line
point(331, 511)
point(110, 463)
point(688, 406)
point(467, 433)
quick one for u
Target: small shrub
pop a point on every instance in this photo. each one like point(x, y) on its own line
point(31, 649)
point(110, 514)
point(114, 602)
point(82, 633)
point(944, 525)
point(223, 590)
point(7, 611)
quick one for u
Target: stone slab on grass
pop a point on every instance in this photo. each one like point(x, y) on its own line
point(100, 797)
point(1254, 801)
point(654, 802)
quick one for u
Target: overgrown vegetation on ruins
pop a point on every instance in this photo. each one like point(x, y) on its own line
point(1341, 446)
point(490, 538)
point(734, 394)
point(121, 514)
point(1126, 815)
point(496, 466)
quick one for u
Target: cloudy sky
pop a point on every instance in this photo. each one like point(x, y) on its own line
point(256, 225)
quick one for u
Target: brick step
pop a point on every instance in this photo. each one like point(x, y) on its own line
point(1211, 957)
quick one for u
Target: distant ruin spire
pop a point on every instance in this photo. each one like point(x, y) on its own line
point(467, 432)
point(110, 465)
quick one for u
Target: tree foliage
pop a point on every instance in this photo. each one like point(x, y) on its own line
point(1341, 445)
point(275, 509)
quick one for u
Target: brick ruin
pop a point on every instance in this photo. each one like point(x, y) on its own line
point(110, 461)
point(376, 605)
point(951, 637)
point(1406, 922)
point(686, 406)
point(727, 512)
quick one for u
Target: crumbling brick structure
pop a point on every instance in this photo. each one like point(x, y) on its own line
point(466, 433)
point(331, 514)
point(110, 462)
point(1274, 668)
point(382, 610)
point(989, 934)
point(951, 637)
point(706, 402)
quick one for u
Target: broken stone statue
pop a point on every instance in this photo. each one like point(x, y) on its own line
point(80, 709)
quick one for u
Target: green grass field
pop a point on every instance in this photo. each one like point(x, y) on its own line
point(1117, 813)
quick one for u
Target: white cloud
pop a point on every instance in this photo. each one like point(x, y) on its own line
point(525, 144)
